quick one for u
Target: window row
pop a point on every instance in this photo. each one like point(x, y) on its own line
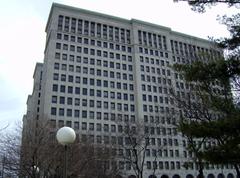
point(155, 89)
point(155, 70)
point(105, 139)
point(89, 51)
point(90, 114)
point(187, 96)
point(93, 92)
point(181, 60)
point(159, 120)
point(86, 60)
point(76, 124)
point(163, 165)
point(92, 42)
point(93, 81)
point(152, 52)
point(156, 99)
point(120, 139)
point(154, 61)
point(80, 26)
point(154, 79)
point(158, 109)
point(152, 40)
point(162, 153)
point(96, 103)
point(99, 127)
point(93, 71)
point(157, 130)
point(192, 51)
point(176, 165)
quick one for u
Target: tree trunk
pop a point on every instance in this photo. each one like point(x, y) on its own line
point(140, 174)
point(200, 175)
point(237, 170)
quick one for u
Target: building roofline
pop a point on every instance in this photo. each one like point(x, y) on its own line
point(190, 36)
point(28, 98)
point(169, 30)
point(150, 24)
point(57, 5)
point(49, 15)
point(38, 64)
point(131, 21)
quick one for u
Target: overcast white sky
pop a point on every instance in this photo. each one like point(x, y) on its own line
point(22, 37)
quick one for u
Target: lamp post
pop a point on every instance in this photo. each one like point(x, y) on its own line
point(36, 171)
point(65, 136)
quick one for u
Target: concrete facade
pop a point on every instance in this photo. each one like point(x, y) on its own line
point(99, 69)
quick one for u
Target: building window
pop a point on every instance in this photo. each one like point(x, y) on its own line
point(76, 125)
point(72, 48)
point(64, 67)
point(91, 126)
point(71, 58)
point(148, 165)
point(160, 165)
point(99, 83)
point(99, 104)
point(77, 101)
point(99, 127)
point(106, 128)
point(106, 116)
point(65, 47)
point(55, 87)
point(91, 115)
point(69, 101)
point(56, 66)
point(99, 139)
point(92, 52)
point(99, 115)
point(61, 112)
point(70, 89)
point(54, 99)
point(84, 126)
point(62, 88)
point(60, 123)
point(58, 45)
point(84, 91)
point(53, 111)
point(62, 100)
point(69, 123)
point(76, 113)
point(84, 114)
point(99, 53)
point(66, 37)
point(166, 165)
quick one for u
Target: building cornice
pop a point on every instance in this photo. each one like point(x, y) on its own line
point(122, 20)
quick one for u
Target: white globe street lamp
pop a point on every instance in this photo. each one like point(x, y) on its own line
point(35, 171)
point(65, 136)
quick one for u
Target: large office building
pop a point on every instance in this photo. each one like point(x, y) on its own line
point(100, 70)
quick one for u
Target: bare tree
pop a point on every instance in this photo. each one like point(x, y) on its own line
point(36, 144)
point(10, 153)
point(39, 154)
point(200, 5)
point(190, 102)
point(134, 144)
point(92, 160)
